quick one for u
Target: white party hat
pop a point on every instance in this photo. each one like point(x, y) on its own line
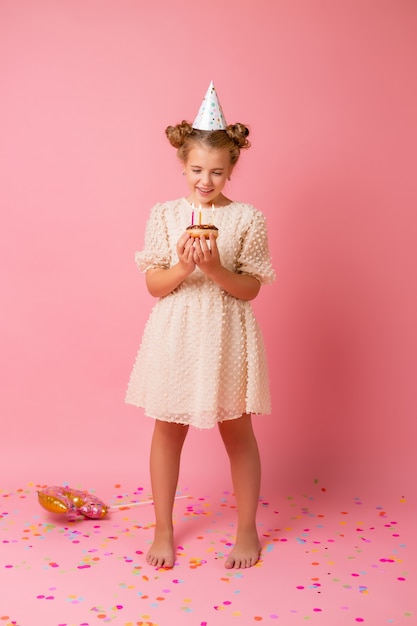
point(210, 115)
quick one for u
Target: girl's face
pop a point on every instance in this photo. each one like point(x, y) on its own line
point(207, 172)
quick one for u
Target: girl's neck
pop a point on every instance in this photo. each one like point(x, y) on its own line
point(221, 200)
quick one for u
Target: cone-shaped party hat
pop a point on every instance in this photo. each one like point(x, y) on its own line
point(210, 115)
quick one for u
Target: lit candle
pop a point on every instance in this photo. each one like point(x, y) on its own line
point(199, 216)
point(192, 214)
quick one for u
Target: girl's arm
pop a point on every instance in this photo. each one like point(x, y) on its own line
point(161, 281)
point(242, 286)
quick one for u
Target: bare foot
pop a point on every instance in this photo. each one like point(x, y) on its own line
point(162, 553)
point(246, 551)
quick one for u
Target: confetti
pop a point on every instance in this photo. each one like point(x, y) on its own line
point(315, 550)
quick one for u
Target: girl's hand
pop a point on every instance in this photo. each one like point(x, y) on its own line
point(185, 253)
point(240, 286)
point(205, 257)
point(162, 281)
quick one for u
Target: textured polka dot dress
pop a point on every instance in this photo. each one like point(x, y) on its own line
point(202, 358)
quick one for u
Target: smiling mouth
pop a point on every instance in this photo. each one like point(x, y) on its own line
point(204, 191)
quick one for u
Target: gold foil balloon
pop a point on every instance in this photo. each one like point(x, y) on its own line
point(67, 500)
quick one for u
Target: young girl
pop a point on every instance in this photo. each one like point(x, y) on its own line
point(202, 360)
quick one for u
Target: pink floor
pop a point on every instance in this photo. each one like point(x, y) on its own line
point(327, 559)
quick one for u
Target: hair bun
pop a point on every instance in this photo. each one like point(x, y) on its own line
point(239, 133)
point(178, 134)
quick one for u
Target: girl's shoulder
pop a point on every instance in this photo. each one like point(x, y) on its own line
point(249, 210)
point(159, 208)
point(170, 203)
point(246, 206)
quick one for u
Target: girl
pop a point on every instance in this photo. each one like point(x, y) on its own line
point(202, 360)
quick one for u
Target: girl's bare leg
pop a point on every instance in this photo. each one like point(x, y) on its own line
point(242, 448)
point(167, 443)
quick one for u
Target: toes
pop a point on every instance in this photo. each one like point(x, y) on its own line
point(240, 563)
point(153, 560)
point(156, 561)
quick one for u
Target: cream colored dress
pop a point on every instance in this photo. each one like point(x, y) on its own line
point(202, 357)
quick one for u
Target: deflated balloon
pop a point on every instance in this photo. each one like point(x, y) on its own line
point(67, 500)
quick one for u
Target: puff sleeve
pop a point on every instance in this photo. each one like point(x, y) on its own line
point(254, 257)
point(156, 249)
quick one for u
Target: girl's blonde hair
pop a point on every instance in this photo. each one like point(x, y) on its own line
point(184, 137)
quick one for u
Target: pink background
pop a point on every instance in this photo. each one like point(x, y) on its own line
point(329, 92)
